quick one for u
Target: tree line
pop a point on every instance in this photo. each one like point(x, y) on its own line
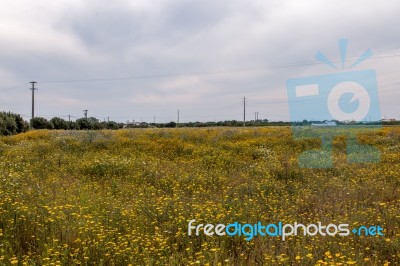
point(79, 124)
point(11, 124)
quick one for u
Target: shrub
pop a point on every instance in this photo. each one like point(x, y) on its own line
point(11, 124)
point(41, 123)
point(59, 123)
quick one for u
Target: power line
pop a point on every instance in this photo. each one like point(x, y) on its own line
point(208, 72)
point(204, 72)
point(13, 87)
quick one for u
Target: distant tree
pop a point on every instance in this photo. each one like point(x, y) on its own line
point(111, 125)
point(170, 124)
point(8, 125)
point(95, 124)
point(41, 123)
point(22, 125)
point(93, 120)
point(59, 123)
point(12, 124)
point(72, 125)
point(83, 123)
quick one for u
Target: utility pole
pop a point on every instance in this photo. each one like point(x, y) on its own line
point(33, 97)
point(244, 111)
point(108, 119)
point(177, 124)
point(85, 113)
point(69, 118)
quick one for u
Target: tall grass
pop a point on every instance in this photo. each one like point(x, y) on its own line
point(125, 197)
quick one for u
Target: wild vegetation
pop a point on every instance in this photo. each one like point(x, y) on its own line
point(126, 197)
point(11, 124)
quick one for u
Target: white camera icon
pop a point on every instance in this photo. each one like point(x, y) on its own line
point(324, 97)
point(359, 93)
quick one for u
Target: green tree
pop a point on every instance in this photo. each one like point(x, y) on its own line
point(83, 123)
point(41, 123)
point(8, 125)
point(22, 125)
point(170, 124)
point(111, 125)
point(12, 124)
point(59, 123)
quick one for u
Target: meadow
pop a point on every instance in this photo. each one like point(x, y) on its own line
point(125, 197)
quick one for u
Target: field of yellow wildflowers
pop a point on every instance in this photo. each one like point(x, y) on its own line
point(126, 197)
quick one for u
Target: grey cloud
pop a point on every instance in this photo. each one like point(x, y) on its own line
point(118, 26)
point(100, 39)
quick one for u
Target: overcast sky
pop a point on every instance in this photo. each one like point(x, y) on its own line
point(143, 59)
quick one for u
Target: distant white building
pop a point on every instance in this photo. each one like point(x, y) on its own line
point(134, 124)
point(388, 120)
point(325, 124)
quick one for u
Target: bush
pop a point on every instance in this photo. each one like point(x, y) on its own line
point(41, 123)
point(83, 123)
point(59, 123)
point(7, 126)
point(88, 123)
point(111, 125)
point(171, 124)
point(11, 124)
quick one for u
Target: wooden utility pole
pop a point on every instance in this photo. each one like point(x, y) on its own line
point(33, 97)
point(177, 124)
point(244, 111)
